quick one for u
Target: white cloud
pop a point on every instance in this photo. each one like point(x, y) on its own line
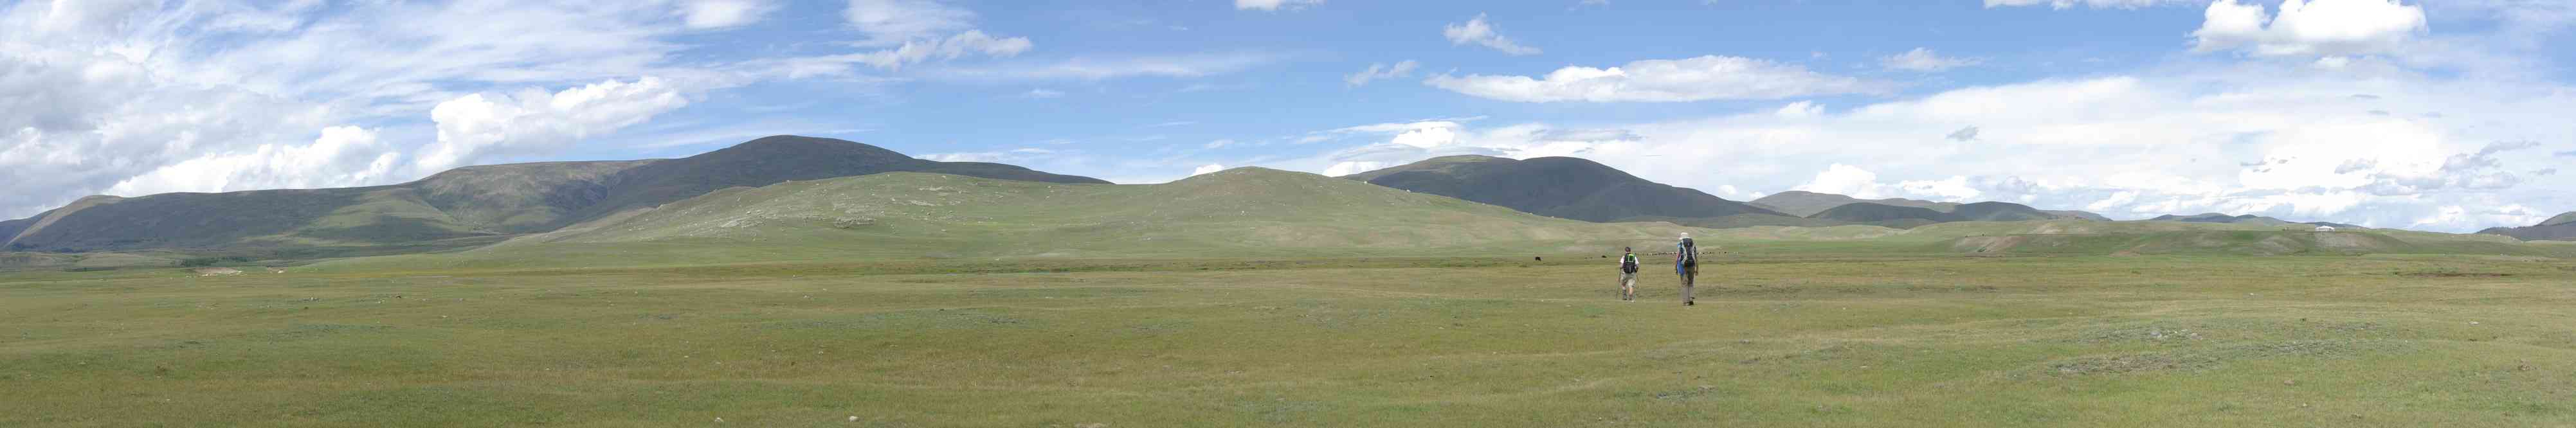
point(1218, 144)
point(724, 13)
point(1800, 109)
point(955, 46)
point(1688, 79)
point(138, 96)
point(476, 127)
point(896, 21)
point(1043, 93)
point(1844, 180)
point(1478, 32)
point(1377, 71)
point(1005, 156)
point(1354, 167)
point(921, 30)
point(341, 156)
point(1274, 4)
point(1204, 169)
point(1923, 59)
point(2309, 28)
point(2126, 146)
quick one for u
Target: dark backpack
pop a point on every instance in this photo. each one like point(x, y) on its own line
point(1690, 252)
point(1628, 263)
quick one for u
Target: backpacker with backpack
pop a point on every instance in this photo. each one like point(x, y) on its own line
point(1689, 257)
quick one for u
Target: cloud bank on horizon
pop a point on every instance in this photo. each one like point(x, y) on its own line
point(2430, 115)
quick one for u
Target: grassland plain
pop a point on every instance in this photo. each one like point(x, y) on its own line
point(1829, 334)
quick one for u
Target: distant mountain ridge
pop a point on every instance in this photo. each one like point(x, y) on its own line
point(2559, 228)
point(1562, 187)
point(461, 207)
point(1805, 203)
point(2246, 219)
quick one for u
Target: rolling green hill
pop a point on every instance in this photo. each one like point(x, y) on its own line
point(1561, 187)
point(1234, 213)
point(1810, 204)
point(459, 208)
point(1883, 215)
point(1805, 203)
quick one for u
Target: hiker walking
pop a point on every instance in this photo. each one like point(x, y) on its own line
point(1628, 274)
point(1686, 264)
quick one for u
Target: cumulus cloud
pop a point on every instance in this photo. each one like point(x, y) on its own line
point(341, 156)
point(2309, 28)
point(1853, 181)
point(1204, 169)
point(1270, 5)
point(1476, 31)
point(1661, 80)
point(724, 13)
point(134, 97)
point(1377, 71)
point(476, 127)
point(1923, 59)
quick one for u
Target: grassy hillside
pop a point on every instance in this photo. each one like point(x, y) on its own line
point(1807, 204)
point(1235, 213)
point(1885, 215)
point(452, 208)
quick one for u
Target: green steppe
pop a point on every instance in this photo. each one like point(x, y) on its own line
point(1261, 298)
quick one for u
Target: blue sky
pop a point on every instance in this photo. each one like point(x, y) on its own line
point(2439, 116)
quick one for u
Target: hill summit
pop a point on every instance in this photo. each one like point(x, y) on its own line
point(2559, 228)
point(1561, 187)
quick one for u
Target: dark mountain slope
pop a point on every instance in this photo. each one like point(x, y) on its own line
point(471, 202)
point(1560, 187)
point(2561, 220)
point(2560, 228)
point(1999, 211)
